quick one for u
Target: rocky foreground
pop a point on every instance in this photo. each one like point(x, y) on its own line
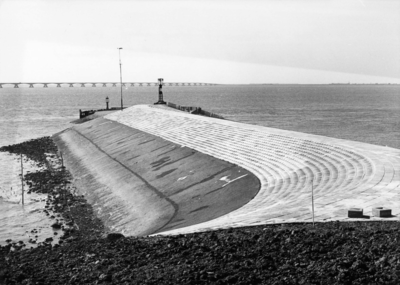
point(329, 253)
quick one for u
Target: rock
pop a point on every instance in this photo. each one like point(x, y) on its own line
point(105, 277)
point(114, 236)
point(56, 226)
point(70, 239)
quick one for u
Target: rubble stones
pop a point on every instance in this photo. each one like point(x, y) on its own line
point(336, 253)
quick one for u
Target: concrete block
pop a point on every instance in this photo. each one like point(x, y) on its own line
point(381, 212)
point(355, 213)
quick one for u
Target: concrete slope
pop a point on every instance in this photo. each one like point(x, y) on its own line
point(141, 184)
point(343, 173)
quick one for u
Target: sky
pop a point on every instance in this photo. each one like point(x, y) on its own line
point(218, 41)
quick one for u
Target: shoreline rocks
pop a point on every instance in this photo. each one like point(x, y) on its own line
point(67, 209)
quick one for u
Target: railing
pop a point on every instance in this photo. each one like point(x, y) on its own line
point(194, 110)
point(83, 114)
point(189, 109)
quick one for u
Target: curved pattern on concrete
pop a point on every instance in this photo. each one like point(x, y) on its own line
point(141, 184)
point(344, 174)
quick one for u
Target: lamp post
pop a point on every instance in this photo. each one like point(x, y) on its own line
point(22, 180)
point(107, 101)
point(120, 75)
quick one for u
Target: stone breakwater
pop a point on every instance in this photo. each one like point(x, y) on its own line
point(344, 174)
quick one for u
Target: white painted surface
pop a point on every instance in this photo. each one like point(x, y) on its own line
point(345, 174)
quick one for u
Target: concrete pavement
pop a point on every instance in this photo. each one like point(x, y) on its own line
point(343, 174)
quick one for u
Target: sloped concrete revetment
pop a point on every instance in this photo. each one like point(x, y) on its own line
point(343, 174)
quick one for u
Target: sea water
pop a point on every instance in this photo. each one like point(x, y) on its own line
point(18, 221)
point(366, 113)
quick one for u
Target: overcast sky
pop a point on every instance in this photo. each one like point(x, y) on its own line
point(221, 41)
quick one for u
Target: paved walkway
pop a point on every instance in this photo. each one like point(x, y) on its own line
point(343, 174)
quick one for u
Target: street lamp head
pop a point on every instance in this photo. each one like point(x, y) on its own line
point(119, 48)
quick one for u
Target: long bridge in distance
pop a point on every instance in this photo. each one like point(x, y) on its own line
point(103, 84)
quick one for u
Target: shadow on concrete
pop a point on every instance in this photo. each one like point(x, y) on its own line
point(388, 217)
point(141, 184)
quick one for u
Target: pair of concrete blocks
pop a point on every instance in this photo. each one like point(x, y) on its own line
point(380, 212)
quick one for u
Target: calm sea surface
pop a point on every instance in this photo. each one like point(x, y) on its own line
point(366, 113)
